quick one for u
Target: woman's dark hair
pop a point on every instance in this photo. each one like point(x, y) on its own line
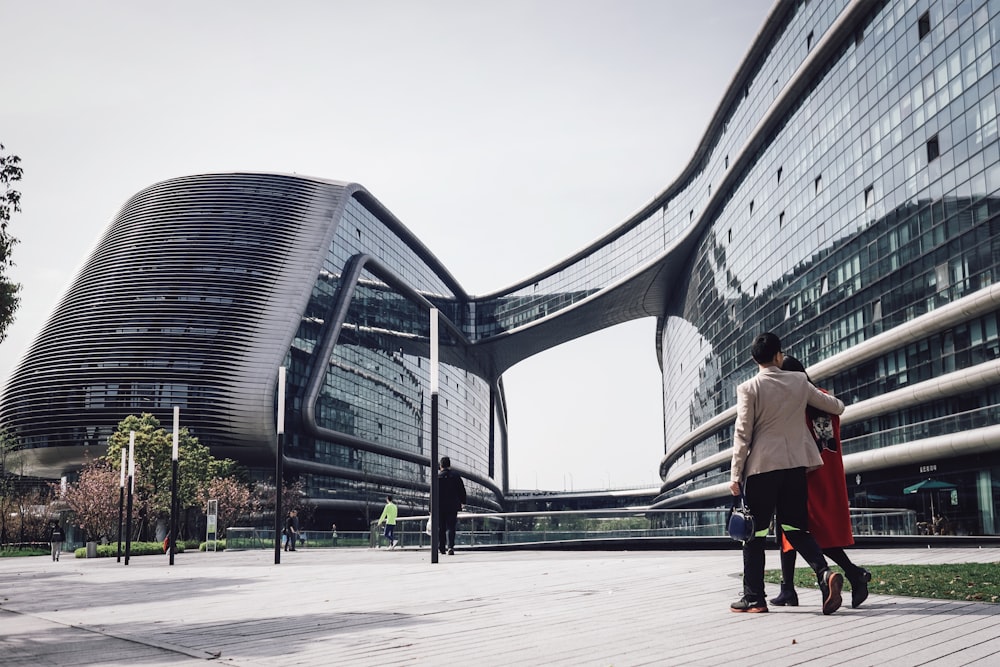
point(793, 364)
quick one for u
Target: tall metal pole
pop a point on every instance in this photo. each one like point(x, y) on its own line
point(121, 503)
point(172, 535)
point(131, 492)
point(278, 465)
point(436, 526)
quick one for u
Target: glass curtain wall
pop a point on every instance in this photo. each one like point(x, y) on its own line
point(876, 202)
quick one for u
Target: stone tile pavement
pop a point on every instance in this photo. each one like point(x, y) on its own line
point(363, 607)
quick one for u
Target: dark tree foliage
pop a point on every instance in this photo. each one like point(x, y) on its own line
point(10, 203)
point(293, 497)
point(154, 467)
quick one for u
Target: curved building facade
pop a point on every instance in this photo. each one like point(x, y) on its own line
point(855, 211)
point(204, 286)
point(845, 195)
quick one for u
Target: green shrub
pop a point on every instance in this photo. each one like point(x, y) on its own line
point(135, 549)
point(220, 545)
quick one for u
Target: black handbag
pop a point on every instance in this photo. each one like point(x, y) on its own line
point(741, 525)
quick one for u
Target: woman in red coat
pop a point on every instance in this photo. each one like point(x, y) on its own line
point(829, 512)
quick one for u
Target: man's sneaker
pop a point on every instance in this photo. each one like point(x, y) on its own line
point(743, 605)
point(830, 584)
point(451, 552)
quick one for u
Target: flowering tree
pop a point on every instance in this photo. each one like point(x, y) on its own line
point(30, 520)
point(94, 501)
point(22, 502)
point(235, 501)
point(8, 495)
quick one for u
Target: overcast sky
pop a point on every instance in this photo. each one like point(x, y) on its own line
point(506, 135)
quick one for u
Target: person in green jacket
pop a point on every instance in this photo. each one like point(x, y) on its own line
point(389, 514)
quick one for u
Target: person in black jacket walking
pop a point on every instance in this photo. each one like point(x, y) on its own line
point(291, 530)
point(56, 539)
point(452, 492)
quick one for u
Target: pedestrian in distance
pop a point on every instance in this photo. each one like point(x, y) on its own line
point(291, 530)
point(772, 451)
point(829, 510)
point(452, 492)
point(389, 514)
point(56, 539)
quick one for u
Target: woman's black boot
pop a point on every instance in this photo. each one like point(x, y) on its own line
point(787, 597)
point(859, 587)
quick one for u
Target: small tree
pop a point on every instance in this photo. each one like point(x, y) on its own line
point(10, 202)
point(31, 517)
point(7, 485)
point(154, 465)
point(293, 497)
point(94, 501)
point(235, 501)
point(22, 499)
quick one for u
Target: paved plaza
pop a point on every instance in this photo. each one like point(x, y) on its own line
point(363, 607)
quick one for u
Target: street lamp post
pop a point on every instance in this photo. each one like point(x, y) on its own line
point(366, 483)
point(436, 526)
point(278, 472)
point(121, 503)
point(131, 492)
point(173, 486)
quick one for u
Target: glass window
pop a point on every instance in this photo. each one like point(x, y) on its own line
point(924, 25)
point(933, 149)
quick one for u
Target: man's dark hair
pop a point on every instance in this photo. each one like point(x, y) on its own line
point(445, 462)
point(388, 498)
point(764, 347)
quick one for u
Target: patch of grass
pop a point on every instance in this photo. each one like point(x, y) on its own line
point(13, 553)
point(974, 582)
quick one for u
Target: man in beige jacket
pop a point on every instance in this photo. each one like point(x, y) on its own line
point(772, 451)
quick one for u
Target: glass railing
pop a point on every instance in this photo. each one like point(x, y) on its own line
point(528, 528)
point(965, 421)
point(241, 538)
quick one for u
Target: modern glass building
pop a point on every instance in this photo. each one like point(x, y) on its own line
point(204, 286)
point(847, 199)
point(845, 195)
